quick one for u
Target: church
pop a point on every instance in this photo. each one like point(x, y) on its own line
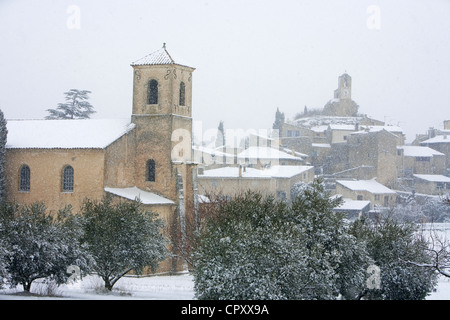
point(147, 156)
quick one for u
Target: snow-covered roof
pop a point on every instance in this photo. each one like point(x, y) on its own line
point(134, 193)
point(433, 177)
point(388, 128)
point(417, 151)
point(437, 139)
point(342, 127)
point(321, 145)
point(65, 134)
point(272, 172)
point(351, 205)
point(321, 120)
point(371, 186)
point(211, 151)
point(266, 153)
point(158, 57)
point(379, 130)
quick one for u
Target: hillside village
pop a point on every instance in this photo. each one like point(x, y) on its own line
point(152, 156)
point(361, 159)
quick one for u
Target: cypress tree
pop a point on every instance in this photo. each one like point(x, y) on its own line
point(3, 137)
point(279, 120)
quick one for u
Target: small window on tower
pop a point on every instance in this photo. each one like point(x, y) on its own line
point(151, 170)
point(182, 94)
point(153, 92)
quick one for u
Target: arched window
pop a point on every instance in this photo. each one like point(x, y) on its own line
point(151, 170)
point(67, 185)
point(182, 94)
point(24, 183)
point(153, 92)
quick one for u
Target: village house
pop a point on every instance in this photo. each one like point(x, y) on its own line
point(275, 181)
point(421, 160)
point(365, 155)
point(339, 133)
point(440, 143)
point(147, 156)
point(298, 138)
point(432, 184)
point(369, 190)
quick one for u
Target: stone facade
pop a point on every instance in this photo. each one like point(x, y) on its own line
point(46, 169)
point(153, 156)
point(376, 149)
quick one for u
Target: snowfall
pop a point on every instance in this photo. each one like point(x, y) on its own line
point(156, 287)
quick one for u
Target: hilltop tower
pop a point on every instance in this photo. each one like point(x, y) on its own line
point(342, 105)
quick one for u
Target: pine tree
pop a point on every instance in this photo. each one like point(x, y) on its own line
point(3, 138)
point(75, 107)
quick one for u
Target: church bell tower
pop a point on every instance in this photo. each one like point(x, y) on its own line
point(162, 113)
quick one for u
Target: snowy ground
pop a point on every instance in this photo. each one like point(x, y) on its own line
point(175, 287)
point(442, 290)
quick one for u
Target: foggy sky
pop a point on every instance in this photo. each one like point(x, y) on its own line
point(251, 56)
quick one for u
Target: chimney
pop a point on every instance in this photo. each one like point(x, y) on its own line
point(431, 133)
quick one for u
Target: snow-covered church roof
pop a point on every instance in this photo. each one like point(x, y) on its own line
point(133, 193)
point(65, 134)
point(158, 57)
